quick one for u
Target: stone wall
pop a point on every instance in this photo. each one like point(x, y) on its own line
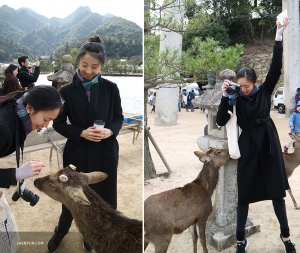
point(261, 64)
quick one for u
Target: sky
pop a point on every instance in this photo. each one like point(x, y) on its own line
point(132, 10)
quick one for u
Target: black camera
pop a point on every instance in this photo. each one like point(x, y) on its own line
point(232, 88)
point(25, 194)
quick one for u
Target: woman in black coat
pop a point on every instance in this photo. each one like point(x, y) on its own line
point(21, 113)
point(261, 173)
point(90, 97)
point(11, 82)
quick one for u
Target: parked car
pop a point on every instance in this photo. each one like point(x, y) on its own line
point(278, 100)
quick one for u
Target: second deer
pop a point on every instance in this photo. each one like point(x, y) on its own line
point(292, 161)
point(173, 211)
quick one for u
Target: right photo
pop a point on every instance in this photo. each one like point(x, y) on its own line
point(221, 126)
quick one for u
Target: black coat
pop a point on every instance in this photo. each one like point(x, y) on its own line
point(261, 173)
point(88, 156)
point(26, 78)
point(8, 127)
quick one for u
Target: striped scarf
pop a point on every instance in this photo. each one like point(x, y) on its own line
point(24, 116)
point(88, 83)
point(232, 98)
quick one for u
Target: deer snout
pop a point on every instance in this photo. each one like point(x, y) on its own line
point(38, 183)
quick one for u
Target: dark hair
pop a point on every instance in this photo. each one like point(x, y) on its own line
point(41, 97)
point(22, 59)
point(93, 47)
point(10, 69)
point(248, 73)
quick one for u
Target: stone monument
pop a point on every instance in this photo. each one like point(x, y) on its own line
point(166, 108)
point(291, 53)
point(221, 224)
point(65, 74)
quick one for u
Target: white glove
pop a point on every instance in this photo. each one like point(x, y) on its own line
point(29, 169)
point(281, 29)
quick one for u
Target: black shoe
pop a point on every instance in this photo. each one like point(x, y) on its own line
point(289, 246)
point(87, 247)
point(55, 240)
point(242, 246)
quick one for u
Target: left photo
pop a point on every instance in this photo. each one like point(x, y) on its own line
point(71, 126)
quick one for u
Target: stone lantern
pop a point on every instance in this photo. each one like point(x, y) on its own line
point(221, 225)
point(65, 74)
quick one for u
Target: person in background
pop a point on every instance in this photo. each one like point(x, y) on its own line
point(294, 124)
point(202, 92)
point(260, 172)
point(189, 98)
point(21, 113)
point(153, 102)
point(11, 82)
point(180, 97)
point(296, 98)
point(89, 97)
point(27, 79)
point(54, 84)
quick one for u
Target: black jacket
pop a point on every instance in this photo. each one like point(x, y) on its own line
point(8, 127)
point(261, 173)
point(26, 78)
point(88, 156)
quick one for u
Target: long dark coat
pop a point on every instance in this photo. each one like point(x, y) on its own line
point(8, 128)
point(260, 174)
point(88, 156)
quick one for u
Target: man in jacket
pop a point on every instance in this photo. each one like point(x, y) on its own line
point(27, 78)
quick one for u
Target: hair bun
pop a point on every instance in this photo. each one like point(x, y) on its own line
point(97, 39)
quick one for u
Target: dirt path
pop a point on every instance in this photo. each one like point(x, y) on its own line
point(178, 143)
point(37, 223)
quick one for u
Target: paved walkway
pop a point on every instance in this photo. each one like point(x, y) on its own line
point(178, 144)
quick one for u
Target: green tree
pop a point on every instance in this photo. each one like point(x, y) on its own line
point(199, 59)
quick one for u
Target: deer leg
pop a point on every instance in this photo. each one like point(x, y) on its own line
point(161, 245)
point(293, 199)
point(202, 236)
point(193, 231)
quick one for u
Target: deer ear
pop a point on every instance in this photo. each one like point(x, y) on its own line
point(78, 196)
point(95, 177)
point(203, 157)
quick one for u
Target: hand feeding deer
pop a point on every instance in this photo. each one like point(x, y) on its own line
point(292, 161)
point(173, 211)
point(104, 228)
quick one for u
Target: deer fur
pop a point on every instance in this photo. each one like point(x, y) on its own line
point(102, 227)
point(173, 211)
point(292, 161)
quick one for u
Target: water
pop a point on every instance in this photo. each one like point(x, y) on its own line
point(131, 91)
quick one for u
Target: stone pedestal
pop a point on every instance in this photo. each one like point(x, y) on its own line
point(291, 53)
point(221, 224)
point(166, 106)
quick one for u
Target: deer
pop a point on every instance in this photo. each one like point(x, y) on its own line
point(171, 212)
point(101, 226)
point(292, 161)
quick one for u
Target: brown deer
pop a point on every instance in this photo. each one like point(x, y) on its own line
point(173, 211)
point(292, 161)
point(102, 227)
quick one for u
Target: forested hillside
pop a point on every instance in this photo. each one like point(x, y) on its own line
point(25, 32)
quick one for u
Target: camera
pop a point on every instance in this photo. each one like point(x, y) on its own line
point(232, 88)
point(25, 194)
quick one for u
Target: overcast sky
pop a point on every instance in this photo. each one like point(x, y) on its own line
point(132, 10)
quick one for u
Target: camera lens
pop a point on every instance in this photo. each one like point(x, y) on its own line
point(231, 90)
point(15, 196)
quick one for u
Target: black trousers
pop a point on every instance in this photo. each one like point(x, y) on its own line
point(280, 211)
